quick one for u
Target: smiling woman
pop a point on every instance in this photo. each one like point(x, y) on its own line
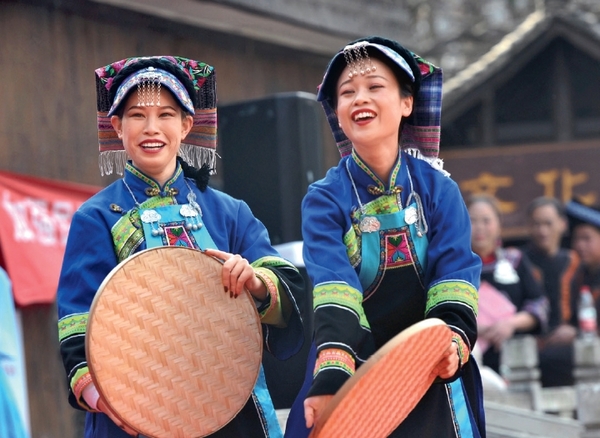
point(152, 113)
point(387, 243)
point(152, 134)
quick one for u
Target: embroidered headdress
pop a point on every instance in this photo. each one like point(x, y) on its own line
point(421, 130)
point(581, 214)
point(192, 83)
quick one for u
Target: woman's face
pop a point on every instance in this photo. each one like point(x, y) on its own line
point(152, 134)
point(586, 242)
point(370, 107)
point(485, 228)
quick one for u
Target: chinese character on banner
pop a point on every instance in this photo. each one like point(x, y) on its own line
point(35, 215)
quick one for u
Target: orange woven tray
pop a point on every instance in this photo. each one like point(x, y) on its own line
point(172, 355)
point(387, 387)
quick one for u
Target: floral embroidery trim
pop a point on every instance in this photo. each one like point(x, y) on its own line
point(127, 232)
point(153, 184)
point(80, 380)
point(452, 291)
point(352, 242)
point(333, 358)
point(463, 350)
point(195, 71)
point(375, 178)
point(342, 295)
point(274, 305)
point(72, 325)
point(384, 236)
point(271, 261)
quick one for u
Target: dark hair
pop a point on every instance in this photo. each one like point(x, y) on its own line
point(145, 63)
point(200, 176)
point(542, 201)
point(486, 199)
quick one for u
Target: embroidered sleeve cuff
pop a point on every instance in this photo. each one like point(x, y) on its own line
point(463, 349)
point(332, 368)
point(79, 382)
point(334, 358)
point(270, 311)
point(452, 291)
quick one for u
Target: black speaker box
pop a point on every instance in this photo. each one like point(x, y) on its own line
point(271, 150)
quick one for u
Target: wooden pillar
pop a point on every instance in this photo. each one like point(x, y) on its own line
point(51, 415)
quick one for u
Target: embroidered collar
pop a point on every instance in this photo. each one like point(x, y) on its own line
point(379, 188)
point(137, 180)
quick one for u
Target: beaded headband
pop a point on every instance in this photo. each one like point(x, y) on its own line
point(149, 82)
point(421, 130)
point(199, 98)
point(357, 59)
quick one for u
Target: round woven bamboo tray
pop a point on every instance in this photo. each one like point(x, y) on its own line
point(171, 353)
point(384, 390)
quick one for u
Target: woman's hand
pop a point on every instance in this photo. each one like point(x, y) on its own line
point(498, 332)
point(504, 329)
point(90, 395)
point(313, 407)
point(448, 364)
point(561, 335)
point(238, 274)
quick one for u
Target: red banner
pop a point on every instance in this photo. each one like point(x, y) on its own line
point(35, 215)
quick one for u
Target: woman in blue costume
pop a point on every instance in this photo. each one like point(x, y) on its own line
point(387, 239)
point(150, 110)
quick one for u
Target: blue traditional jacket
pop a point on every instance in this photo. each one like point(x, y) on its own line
point(382, 256)
point(108, 228)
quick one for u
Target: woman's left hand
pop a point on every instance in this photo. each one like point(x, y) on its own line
point(238, 274)
point(499, 332)
point(448, 364)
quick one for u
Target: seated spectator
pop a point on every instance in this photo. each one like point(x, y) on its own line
point(584, 223)
point(555, 266)
point(506, 278)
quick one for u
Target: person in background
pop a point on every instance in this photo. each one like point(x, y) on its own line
point(584, 225)
point(509, 275)
point(556, 267)
point(151, 112)
point(386, 239)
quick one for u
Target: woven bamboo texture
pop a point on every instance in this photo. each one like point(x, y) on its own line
point(171, 353)
point(384, 390)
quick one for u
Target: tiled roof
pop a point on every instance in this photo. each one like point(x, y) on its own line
point(535, 26)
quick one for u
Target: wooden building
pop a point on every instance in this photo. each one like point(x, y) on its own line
point(524, 120)
point(48, 54)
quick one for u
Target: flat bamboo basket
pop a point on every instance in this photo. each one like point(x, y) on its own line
point(171, 353)
point(388, 386)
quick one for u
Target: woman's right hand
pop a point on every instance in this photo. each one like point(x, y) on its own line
point(91, 396)
point(313, 407)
